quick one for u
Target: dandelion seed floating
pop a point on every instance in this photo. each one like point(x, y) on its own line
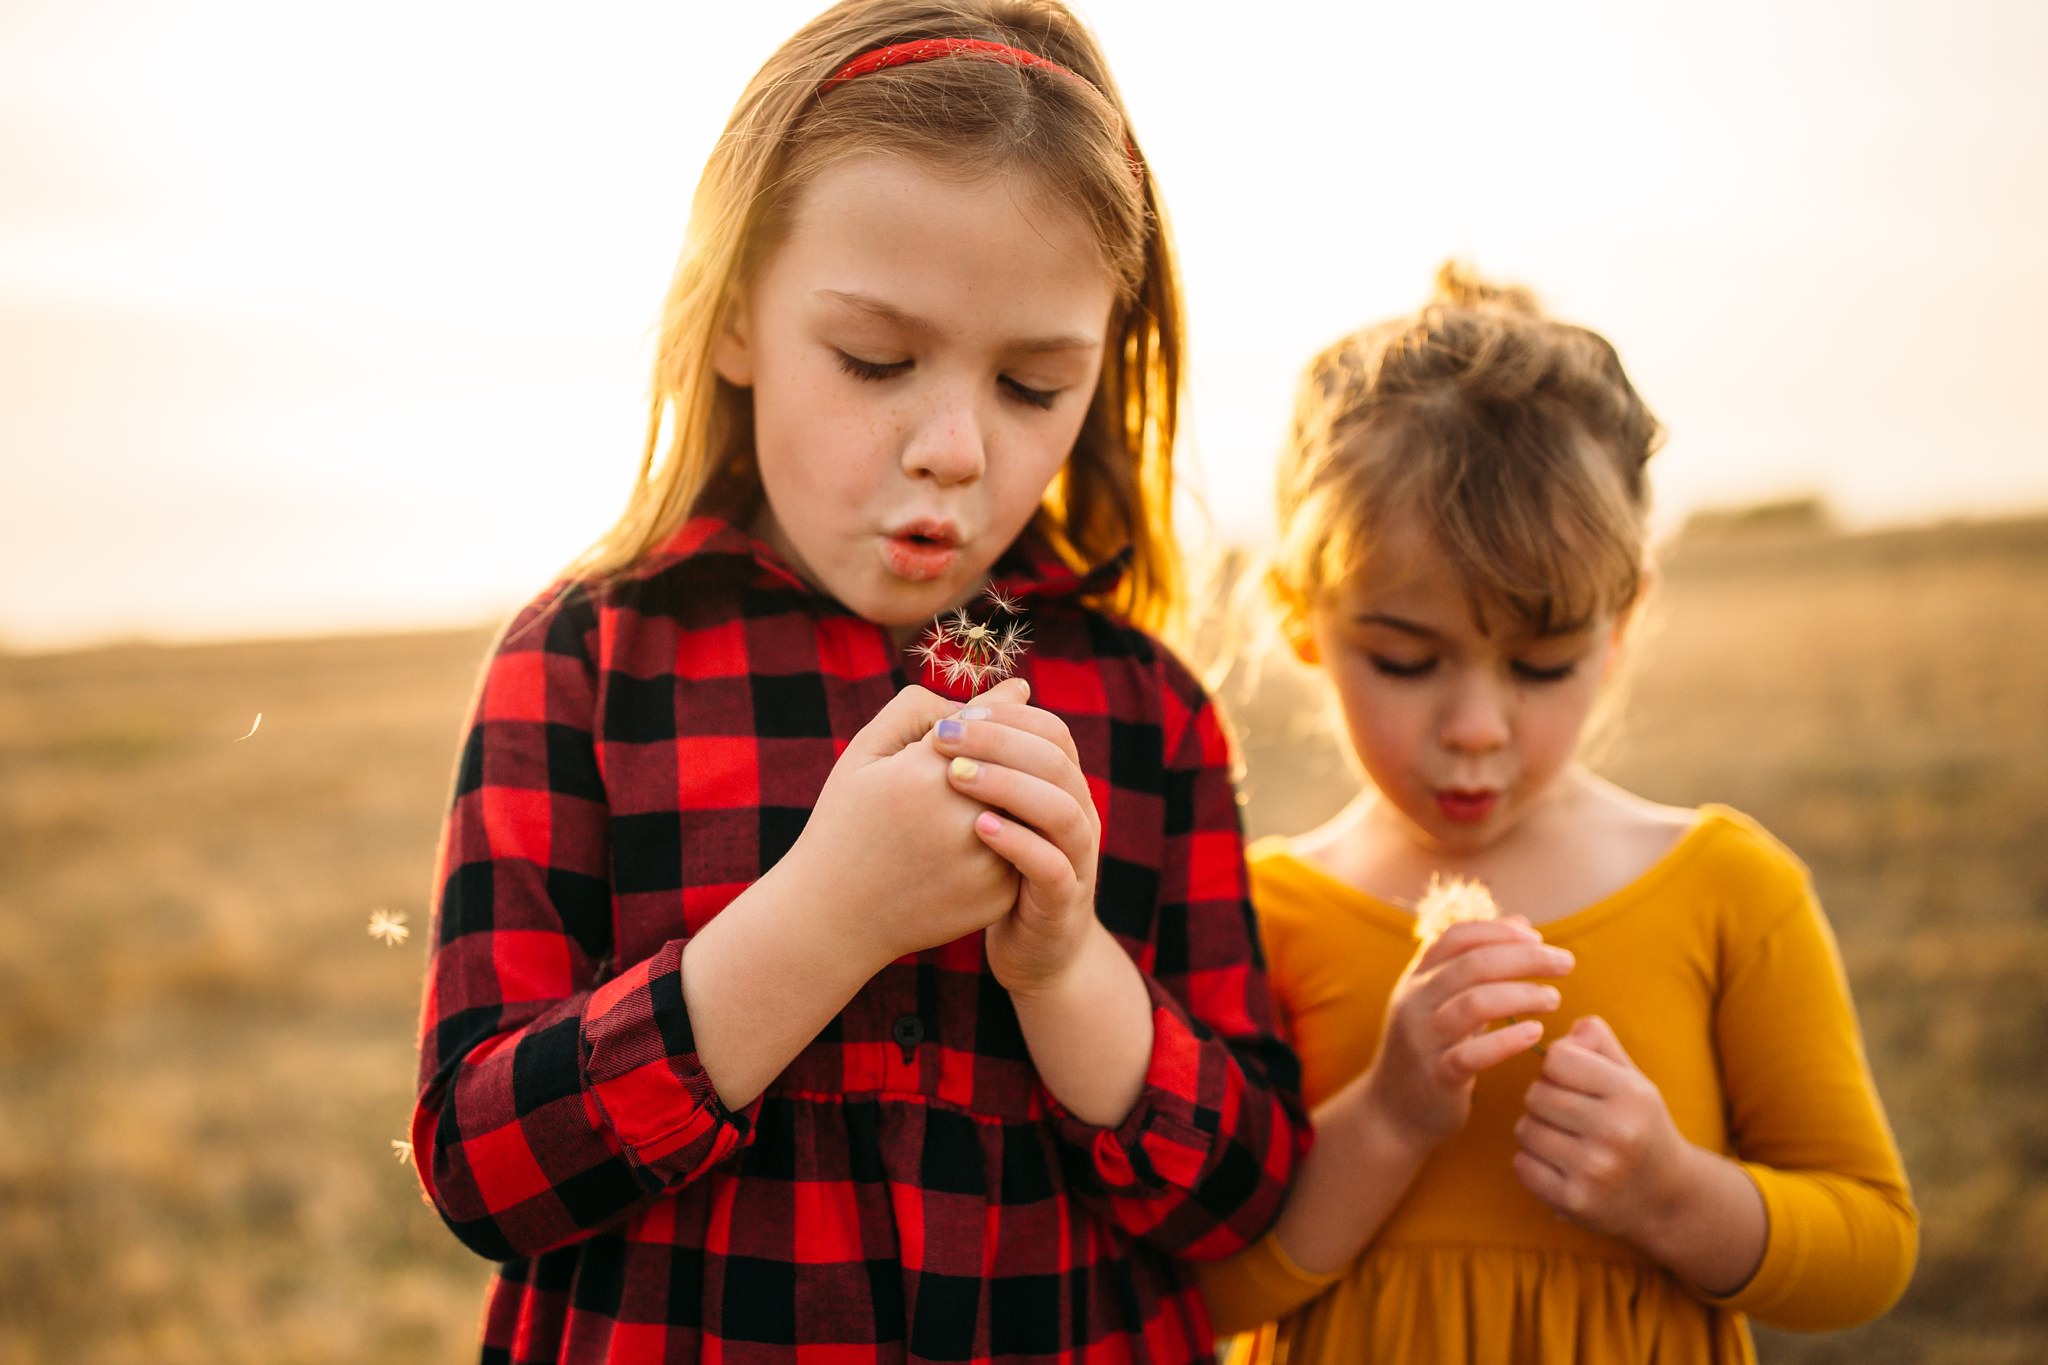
point(1460, 900)
point(402, 1149)
point(388, 927)
point(972, 653)
point(252, 728)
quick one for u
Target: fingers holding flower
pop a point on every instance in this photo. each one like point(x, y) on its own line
point(1456, 1012)
point(1021, 762)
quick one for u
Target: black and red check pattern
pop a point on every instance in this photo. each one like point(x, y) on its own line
point(906, 1190)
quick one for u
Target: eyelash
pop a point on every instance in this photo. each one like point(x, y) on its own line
point(872, 371)
point(1529, 673)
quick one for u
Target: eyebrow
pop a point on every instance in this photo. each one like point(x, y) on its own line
point(893, 316)
point(1420, 631)
point(1406, 627)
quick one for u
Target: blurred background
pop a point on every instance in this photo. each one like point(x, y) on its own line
point(323, 342)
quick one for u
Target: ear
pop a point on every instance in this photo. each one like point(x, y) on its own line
point(732, 354)
point(1628, 621)
point(1294, 621)
point(1301, 639)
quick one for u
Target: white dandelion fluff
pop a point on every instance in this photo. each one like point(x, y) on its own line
point(974, 653)
point(1461, 900)
point(388, 927)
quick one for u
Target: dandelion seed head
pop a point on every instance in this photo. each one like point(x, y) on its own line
point(402, 1149)
point(388, 927)
point(1461, 900)
point(966, 651)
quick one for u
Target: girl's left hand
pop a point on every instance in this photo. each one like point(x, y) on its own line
point(1597, 1143)
point(1020, 761)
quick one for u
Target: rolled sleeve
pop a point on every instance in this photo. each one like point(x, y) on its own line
point(640, 1062)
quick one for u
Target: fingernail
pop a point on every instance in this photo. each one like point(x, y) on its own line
point(988, 822)
point(1553, 999)
point(974, 713)
point(952, 729)
point(1563, 960)
point(964, 769)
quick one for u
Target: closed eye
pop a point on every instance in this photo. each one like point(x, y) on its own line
point(1531, 673)
point(1024, 393)
point(1400, 668)
point(872, 369)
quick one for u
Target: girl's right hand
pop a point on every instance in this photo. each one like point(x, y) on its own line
point(890, 848)
point(1446, 1022)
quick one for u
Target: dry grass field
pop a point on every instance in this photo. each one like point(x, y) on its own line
point(204, 1056)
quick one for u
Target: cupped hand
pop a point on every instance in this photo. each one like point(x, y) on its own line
point(1021, 763)
point(891, 847)
point(1597, 1141)
point(1447, 1021)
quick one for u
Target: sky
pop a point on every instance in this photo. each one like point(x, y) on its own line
point(336, 318)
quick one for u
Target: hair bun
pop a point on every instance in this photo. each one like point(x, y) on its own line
point(1458, 285)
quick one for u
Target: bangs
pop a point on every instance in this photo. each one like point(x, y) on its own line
point(1528, 511)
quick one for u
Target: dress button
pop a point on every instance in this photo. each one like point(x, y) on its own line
point(908, 1031)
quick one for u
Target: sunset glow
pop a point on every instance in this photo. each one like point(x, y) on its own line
point(318, 320)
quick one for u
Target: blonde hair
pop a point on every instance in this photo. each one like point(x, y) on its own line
point(1513, 441)
point(957, 115)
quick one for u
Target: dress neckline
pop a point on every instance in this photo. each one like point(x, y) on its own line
point(1399, 920)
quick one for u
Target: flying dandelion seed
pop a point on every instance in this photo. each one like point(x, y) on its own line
point(1457, 901)
point(402, 1149)
point(252, 728)
point(388, 927)
point(972, 653)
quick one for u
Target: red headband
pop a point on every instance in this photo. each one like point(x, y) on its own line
point(931, 49)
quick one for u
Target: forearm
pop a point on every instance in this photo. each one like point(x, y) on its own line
point(1089, 1032)
point(1708, 1227)
point(1359, 1168)
point(762, 979)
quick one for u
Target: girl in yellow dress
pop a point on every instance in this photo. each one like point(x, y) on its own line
point(1699, 1141)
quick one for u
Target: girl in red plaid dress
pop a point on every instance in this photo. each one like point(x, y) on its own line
point(797, 994)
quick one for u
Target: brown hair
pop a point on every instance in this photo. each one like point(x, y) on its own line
point(956, 115)
point(1514, 441)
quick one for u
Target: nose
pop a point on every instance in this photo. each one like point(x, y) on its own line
point(948, 443)
point(1475, 714)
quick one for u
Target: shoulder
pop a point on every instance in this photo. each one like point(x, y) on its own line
point(1736, 847)
point(1087, 659)
point(562, 621)
point(1284, 888)
point(1753, 882)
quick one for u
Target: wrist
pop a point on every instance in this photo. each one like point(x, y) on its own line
point(834, 921)
point(1383, 1124)
point(1672, 1198)
point(1074, 975)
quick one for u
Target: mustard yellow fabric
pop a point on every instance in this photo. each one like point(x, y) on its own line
point(1720, 975)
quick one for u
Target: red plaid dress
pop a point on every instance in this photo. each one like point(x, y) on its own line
point(906, 1189)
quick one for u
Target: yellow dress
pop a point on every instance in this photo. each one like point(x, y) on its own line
point(1720, 976)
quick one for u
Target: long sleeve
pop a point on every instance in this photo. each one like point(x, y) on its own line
point(1809, 1128)
point(1199, 1166)
point(552, 1101)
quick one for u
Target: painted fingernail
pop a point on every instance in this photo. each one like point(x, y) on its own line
point(951, 729)
point(974, 713)
point(988, 822)
point(965, 769)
